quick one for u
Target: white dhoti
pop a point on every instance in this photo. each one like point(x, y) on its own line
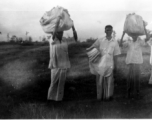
point(104, 76)
point(105, 86)
point(56, 89)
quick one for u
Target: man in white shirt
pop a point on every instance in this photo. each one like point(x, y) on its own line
point(109, 49)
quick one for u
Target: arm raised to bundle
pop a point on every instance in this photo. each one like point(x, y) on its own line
point(74, 33)
point(121, 40)
point(147, 37)
point(56, 27)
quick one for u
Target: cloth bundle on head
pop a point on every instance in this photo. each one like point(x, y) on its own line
point(134, 25)
point(49, 20)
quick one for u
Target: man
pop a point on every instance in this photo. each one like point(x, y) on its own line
point(59, 63)
point(134, 60)
point(109, 49)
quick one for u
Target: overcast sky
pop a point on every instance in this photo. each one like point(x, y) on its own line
point(89, 16)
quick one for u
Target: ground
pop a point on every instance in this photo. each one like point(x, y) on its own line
point(25, 79)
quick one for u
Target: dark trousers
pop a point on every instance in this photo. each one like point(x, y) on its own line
point(133, 82)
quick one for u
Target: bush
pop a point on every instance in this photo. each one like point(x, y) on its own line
point(91, 40)
point(27, 43)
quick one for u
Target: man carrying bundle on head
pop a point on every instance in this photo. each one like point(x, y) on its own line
point(59, 59)
point(134, 26)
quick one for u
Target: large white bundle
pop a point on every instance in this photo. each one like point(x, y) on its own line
point(49, 20)
point(134, 25)
point(94, 55)
point(98, 64)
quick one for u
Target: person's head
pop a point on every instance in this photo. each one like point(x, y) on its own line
point(59, 35)
point(108, 30)
point(134, 37)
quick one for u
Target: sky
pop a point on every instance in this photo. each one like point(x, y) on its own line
point(90, 16)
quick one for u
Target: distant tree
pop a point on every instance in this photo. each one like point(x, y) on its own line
point(30, 39)
point(68, 39)
point(8, 37)
point(91, 40)
point(44, 39)
point(13, 38)
point(20, 39)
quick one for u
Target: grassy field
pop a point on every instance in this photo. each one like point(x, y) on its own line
point(25, 79)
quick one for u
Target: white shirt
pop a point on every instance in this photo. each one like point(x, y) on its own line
point(134, 52)
point(59, 54)
point(107, 46)
point(108, 49)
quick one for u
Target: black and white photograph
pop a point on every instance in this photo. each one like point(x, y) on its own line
point(75, 59)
